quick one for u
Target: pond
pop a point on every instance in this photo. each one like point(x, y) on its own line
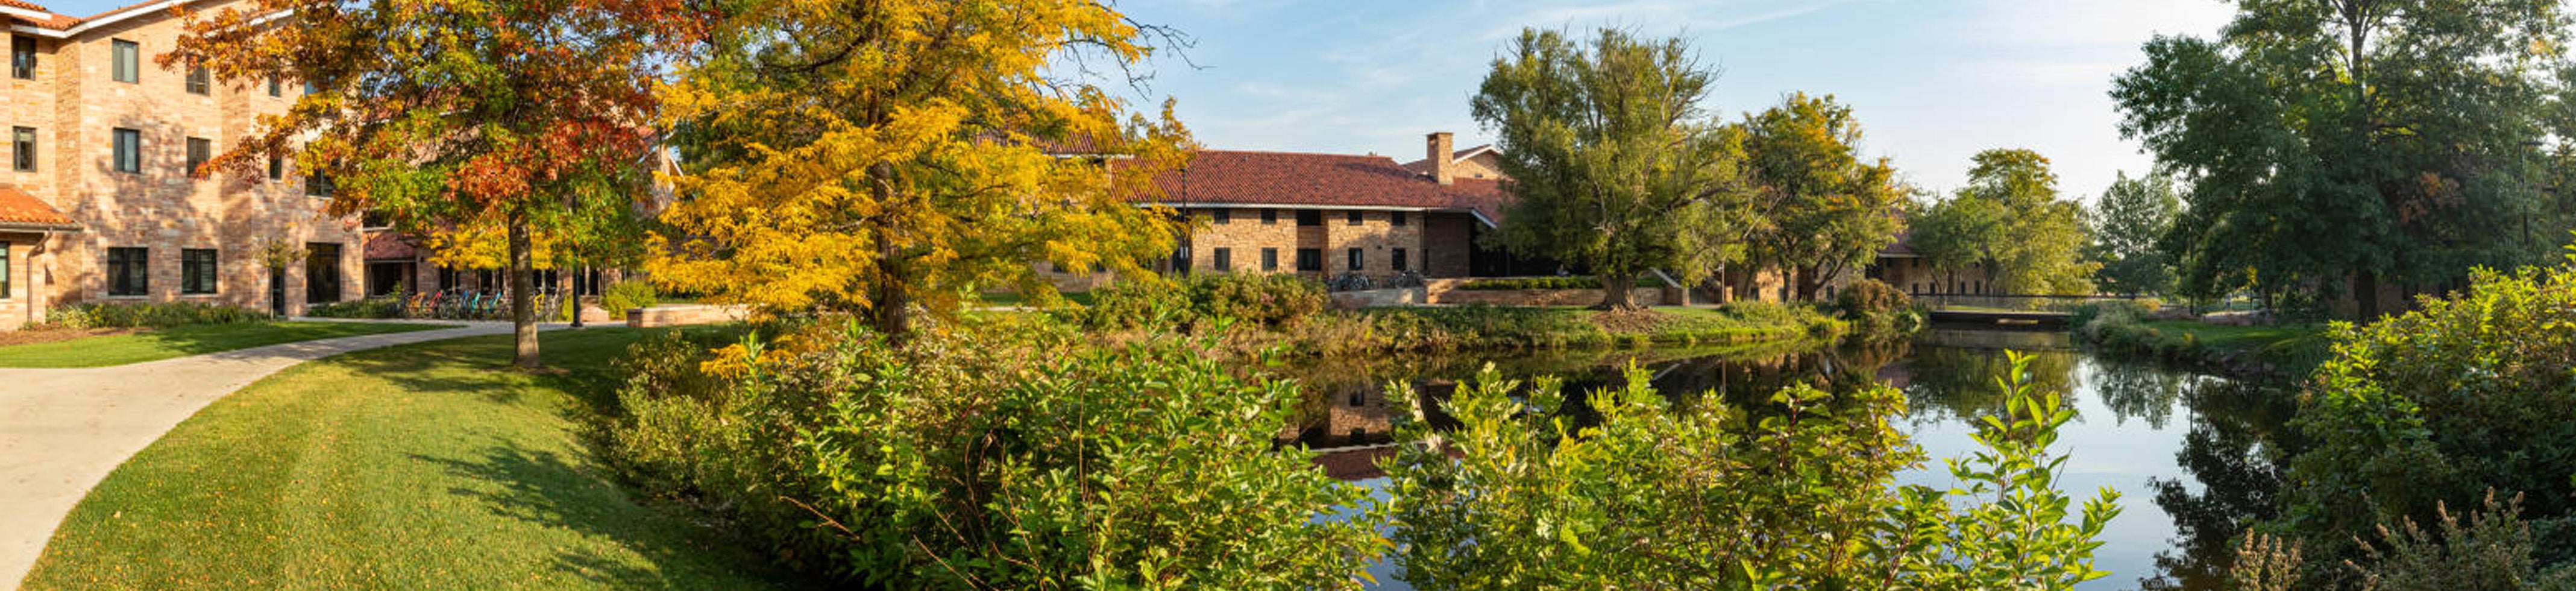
point(2186, 452)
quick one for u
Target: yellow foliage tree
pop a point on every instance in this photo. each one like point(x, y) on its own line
point(882, 156)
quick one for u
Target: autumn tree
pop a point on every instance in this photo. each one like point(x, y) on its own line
point(509, 118)
point(2350, 142)
point(881, 157)
point(1614, 159)
point(2128, 220)
point(1823, 209)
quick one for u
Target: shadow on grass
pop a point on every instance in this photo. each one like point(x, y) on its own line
point(542, 488)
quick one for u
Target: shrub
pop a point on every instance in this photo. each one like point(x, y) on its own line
point(2439, 405)
point(2492, 550)
point(996, 459)
point(1795, 494)
point(1267, 300)
point(1569, 282)
point(625, 295)
point(384, 307)
point(1138, 303)
point(1869, 298)
point(149, 315)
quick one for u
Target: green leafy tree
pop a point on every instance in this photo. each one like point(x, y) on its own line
point(2011, 221)
point(2439, 406)
point(1615, 162)
point(1793, 494)
point(2128, 221)
point(2340, 142)
point(461, 117)
point(1956, 235)
point(1824, 210)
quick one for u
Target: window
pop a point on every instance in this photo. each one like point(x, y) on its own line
point(199, 82)
point(197, 271)
point(318, 185)
point(128, 60)
point(276, 167)
point(129, 150)
point(1310, 259)
point(1269, 216)
point(1310, 217)
point(274, 88)
point(129, 272)
point(322, 273)
point(4, 270)
point(1224, 259)
point(22, 57)
point(199, 151)
point(1395, 260)
point(22, 148)
point(310, 89)
point(1269, 259)
point(1221, 216)
point(1395, 218)
point(1355, 217)
point(1355, 258)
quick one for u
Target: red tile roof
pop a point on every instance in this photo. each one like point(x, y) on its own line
point(1323, 180)
point(19, 210)
point(391, 246)
point(24, 5)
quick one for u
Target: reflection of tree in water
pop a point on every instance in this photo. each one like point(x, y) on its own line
point(2138, 390)
point(1946, 383)
point(2237, 435)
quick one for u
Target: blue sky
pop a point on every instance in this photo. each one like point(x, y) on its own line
point(1933, 81)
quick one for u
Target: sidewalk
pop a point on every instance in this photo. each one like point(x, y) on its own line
point(64, 430)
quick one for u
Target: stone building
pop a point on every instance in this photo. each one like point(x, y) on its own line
point(97, 203)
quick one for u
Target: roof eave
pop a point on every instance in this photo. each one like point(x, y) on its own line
point(38, 228)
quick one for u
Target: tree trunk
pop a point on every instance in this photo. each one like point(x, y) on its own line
point(1614, 292)
point(523, 308)
point(889, 308)
point(2365, 296)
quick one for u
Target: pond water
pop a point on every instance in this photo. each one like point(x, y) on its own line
point(2186, 452)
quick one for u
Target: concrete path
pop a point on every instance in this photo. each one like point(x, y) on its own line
point(64, 430)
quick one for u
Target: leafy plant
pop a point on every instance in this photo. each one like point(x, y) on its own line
point(385, 307)
point(148, 315)
point(1792, 493)
point(625, 295)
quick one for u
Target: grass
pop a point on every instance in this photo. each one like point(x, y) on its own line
point(182, 341)
point(2278, 351)
point(418, 467)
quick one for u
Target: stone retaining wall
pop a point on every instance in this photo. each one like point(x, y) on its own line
point(683, 314)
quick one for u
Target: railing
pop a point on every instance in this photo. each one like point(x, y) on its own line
point(2013, 302)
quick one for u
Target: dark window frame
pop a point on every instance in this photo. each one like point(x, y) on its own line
point(322, 276)
point(197, 271)
point(22, 149)
point(1222, 259)
point(1395, 260)
point(1310, 259)
point(22, 57)
point(6, 271)
point(200, 81)
point(128, 150)
point(129, 271)
point(1358, 259)
point(1354, 216)
point(317, 185)
point(276, 168)
point(1395, 218)
point(1269, 216)
point(1269, 259)
point(1221, 216)
point(125, 61)
point(1310, 217)
point(200, 151)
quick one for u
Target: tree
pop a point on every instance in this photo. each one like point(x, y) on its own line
point(1615, 163)
point(2350, 141)
point(2041, 234)
point(2128, 220)
point(453, 115)
point(1825, 210)
point(1958, 234)
point(875, 157)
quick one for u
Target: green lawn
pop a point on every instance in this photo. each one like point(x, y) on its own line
point(417, 467)
point(186, 340)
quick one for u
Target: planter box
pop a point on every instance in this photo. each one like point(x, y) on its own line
point(682, 314)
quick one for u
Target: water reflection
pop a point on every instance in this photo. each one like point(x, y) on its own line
point(2192, 456)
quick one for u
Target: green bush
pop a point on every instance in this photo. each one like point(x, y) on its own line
point(1795, 494)
point(149, 315)
point(1869, 298)
point(2492, 550)
point(625, 295)
point(993, 459)
point(1267, 300)
point(2439, 406)
point(384, 307)
point(1139, 303)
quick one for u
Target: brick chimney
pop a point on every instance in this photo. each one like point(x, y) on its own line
point(1437, 146)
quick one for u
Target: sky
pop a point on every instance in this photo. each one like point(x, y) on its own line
point(1932, 81)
